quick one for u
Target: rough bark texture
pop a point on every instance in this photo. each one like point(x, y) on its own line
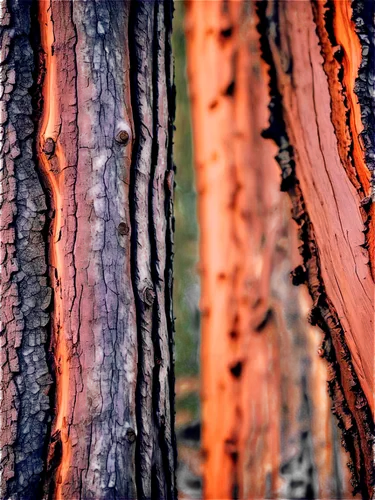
point(330, 206)
point(267, 425)
point(86, 217)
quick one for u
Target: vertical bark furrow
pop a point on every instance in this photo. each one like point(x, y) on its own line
point(169, 213)
point(349, 401)
point(142, 34)
point(152, 246)
point(25, 296)
point(340, 103)
point(364, 19)
point(162, 402)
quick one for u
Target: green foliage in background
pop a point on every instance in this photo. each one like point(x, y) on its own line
point(186, 288)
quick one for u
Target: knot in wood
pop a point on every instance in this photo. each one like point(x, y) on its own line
point(49, 146)
point(130, 435)
point(123, 228)
point(122, 137)
point(148, 296)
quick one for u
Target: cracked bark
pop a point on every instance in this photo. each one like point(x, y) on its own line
point(258, 354)
point(87, 220)
point(327, 170)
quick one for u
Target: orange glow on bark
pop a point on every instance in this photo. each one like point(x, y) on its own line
point(50, 129)
point(348, 39)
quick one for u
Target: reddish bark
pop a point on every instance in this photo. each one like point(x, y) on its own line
point(326, 202)
point(267, 428)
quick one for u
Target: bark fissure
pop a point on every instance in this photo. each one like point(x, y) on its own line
point(53, 445)
point(152, 247)
point(340, 51)
point(363, 14)
point(349, 402)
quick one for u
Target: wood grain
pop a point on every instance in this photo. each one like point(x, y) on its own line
point(327, 205)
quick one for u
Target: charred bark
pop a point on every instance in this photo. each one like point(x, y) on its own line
point(327, 167)
point(87, 405)
point(267, 427)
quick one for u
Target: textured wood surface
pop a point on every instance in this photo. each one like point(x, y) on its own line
point(88, 119)
point(328, 186)
point(267, 424)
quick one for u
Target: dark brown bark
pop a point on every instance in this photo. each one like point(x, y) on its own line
point(87, 114)
point(328, 177)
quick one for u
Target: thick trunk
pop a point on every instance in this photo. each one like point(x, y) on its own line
point(267, 426)
point(86, 241)
point(326, 166)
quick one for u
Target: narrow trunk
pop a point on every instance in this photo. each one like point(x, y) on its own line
point(267, 424)
point(86, 239)
point(322, 88)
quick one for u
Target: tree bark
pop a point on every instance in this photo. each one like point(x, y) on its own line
point(87, 406)
point(327, 167)
point(267, 428)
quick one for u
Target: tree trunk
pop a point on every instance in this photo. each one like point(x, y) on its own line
point(323, 123)
point(267, 427)
point(87, 406)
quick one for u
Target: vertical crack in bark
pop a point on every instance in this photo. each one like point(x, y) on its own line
point(169, 199)
point(341, 51)
point(141, 34)
point(349, 403)
point(340, 107)
point(51, 162)
point(152, 229)
point(364, 19)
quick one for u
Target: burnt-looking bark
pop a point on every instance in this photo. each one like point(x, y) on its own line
point(106, 250)
point(348, 342)
point(24, 295)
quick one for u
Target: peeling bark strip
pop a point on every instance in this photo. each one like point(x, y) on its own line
point(326, 208)
point(106, 250)
point(267, 426)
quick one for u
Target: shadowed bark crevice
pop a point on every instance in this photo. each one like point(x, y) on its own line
point(53, 446)
point(152, 244)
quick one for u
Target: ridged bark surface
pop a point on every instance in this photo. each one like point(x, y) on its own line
point(87, 201)
point(267, 424)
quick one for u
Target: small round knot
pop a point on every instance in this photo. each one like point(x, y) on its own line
point(148, 296)
point(130, 435)
point(122, 137)
point(49, 146)
point(123, 228)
